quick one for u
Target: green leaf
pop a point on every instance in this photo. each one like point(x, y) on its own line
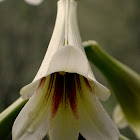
point(124, 81)
point(8, 116)
point(123, 137)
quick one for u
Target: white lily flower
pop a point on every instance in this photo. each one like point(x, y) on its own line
point(63, 95)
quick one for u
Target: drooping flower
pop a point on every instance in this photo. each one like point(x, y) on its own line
point(63, 97)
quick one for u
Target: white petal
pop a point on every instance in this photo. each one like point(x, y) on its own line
point(94, 121)
point(64, 126)
point(32, 122)
point(57, 40)
point(34, 2)
point(27, 91)
point(20, 130)
point(69, 59)
point(119, 117)
point(74, 60)
point(74, 38)
point(101, 91)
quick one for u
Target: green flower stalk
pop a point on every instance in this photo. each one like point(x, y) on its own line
point(8, 116)
point(125, 83)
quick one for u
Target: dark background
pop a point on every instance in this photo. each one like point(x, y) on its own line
point(25, 32)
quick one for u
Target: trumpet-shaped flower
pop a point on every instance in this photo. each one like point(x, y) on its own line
point(63, 97)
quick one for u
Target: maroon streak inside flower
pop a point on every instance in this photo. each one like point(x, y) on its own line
point(70, 91)
point(88, 84)
point(58, 93)
point(42, 82)
point(50, 87)
point(65, 92)
point(79, 86)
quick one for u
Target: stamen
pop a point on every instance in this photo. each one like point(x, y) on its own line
point(70, 91)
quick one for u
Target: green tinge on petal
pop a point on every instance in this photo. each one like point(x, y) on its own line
point(64, 126)
point(119, 117)
point(32, 121)
point(121, 137)
point(27, 91)
point(93, 120)
point(124, 82)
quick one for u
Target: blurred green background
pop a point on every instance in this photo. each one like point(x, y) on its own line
point(25, 32)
